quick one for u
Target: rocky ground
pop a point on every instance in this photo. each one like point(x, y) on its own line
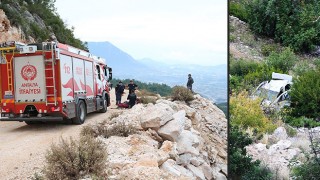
point(8, 32)
point(175, 141)
point(280, 151)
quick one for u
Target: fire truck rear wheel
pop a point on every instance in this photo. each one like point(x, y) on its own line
point(81, 113)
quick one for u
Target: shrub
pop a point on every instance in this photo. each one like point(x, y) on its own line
point(235, 84)
point(242, 67)
point(247, 114)
point(232, 38)
point(294, 24)
point(119, 129)
point(75, 159)
point(290, 131)
point(283, 61)
point(301, 122)
point(148, 99)
point(238, 10)
point(301, 67)
point(262, 73)
point(241, 166)
point(311, 168)
point(267, 49)
point(180, 93)
point(308, 170)
point(305, 95)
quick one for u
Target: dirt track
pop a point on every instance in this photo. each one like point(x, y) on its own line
point(23, 147)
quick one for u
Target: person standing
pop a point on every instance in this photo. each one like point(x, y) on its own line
point(132, 97)
point(132, 86)
point(119, 91)
point(190, 82)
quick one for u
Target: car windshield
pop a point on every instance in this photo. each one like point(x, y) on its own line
point(267, 94)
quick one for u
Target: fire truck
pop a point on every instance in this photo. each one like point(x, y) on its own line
point(51, 81)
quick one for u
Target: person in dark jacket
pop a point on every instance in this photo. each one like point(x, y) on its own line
point(119, 91)
point(132, 86)
point(132, 97)
point(190, 82)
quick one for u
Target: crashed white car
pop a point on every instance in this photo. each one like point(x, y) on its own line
point(274, 93)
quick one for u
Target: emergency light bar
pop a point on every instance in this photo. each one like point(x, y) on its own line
point(28, 49)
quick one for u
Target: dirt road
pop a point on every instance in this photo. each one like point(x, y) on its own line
point(23, 147)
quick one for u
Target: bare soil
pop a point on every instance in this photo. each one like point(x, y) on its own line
point(23, 147)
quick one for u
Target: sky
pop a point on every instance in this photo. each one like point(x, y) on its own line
point(169, 31)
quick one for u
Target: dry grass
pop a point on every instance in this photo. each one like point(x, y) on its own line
point(148, 99)
point(76, 159)
point(120, 129)
point(144, 92)
point(114, 115)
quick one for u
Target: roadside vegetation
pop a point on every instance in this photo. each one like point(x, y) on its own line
point(18, 10)
point(284, 34)
point(154, 88)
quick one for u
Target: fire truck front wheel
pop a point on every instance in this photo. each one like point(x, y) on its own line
point(104, 104)
point(81, 113)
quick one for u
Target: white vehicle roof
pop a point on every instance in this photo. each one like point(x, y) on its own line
point(275, 85)
point(282, 76)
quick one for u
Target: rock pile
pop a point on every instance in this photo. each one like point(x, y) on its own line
point(282, 150)
point(175, 141)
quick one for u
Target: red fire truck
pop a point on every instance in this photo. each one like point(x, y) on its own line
point(51, 81)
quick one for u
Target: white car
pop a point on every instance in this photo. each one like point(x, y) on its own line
point(275, 92)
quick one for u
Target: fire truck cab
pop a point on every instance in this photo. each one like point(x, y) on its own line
point(51, 81)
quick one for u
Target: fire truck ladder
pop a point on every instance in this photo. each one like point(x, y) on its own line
point(50, 74)
point(9, 64)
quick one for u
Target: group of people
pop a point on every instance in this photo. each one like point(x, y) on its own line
point(132, 97)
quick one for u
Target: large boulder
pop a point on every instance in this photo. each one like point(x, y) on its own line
point(155, 116)
point(173, 128)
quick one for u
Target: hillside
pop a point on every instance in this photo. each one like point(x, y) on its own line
point(279, 140)
point(34, 21)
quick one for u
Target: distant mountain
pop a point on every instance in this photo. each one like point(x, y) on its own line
point(210, 81)
point(121, 62)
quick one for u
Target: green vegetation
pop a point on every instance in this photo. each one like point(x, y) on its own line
point(18, 10)
point(162, 89)
point(311, 168)
point(241, 166)
point(283, 61)
point(181, 93)
point(224, 107)
point(238, 10)
point(293, 24)
point(305, 95)
point(247, 114)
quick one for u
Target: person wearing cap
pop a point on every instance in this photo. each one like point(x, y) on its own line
point(190, 82)
point(119, 89)
point(132, 86)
